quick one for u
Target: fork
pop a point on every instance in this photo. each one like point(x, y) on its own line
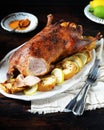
point(77, 104)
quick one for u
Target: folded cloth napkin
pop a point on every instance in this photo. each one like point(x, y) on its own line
point(95, 96)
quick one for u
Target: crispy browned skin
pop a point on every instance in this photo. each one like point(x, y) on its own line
point(54, 42)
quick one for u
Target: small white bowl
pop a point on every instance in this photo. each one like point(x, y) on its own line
point(18, 16)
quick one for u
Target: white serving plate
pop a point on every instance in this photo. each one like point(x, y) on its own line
point(18, 16)
point(43, 95)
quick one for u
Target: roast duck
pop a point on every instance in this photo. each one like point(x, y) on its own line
point(56, 41)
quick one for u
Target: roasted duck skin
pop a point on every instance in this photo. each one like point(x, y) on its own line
point(56, 41)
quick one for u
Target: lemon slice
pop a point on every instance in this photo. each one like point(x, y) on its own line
point(58, 73)
point(31, 91)
point(88, 55)
point(83, 57)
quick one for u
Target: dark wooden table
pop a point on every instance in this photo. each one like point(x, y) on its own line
point(13, 113)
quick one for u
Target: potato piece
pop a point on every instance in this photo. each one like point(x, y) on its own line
point(9, 88)
point(64, 24)
point(47, 83)
point(5, 87)
point(69, 69)
point(76, 60)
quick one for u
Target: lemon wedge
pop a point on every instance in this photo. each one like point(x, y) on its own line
point(31, 91)
point(58, 73)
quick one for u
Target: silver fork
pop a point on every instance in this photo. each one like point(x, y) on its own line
point(77, 104)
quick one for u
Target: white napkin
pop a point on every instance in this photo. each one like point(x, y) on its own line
point(95, 96)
